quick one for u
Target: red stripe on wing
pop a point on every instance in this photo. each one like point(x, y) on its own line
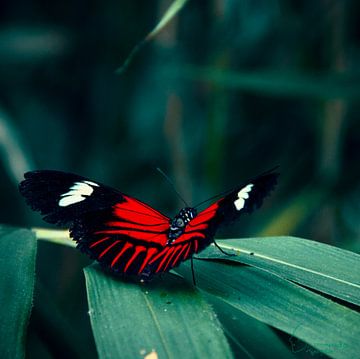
point(138, 250)
point(170, 261)
point(150, 253)
point(168, 253)
point(205, 215)
point(178, 257)
point(150, 237)
point(196, 245)
point(123, 250)
point(98, 242)
point(190, 236)
point(187, 253)
point(141, 226)
point(170, 256)
point(108, 248)
point(196, 227)
point(131, 208)
point(129, 215)
point(154, 259)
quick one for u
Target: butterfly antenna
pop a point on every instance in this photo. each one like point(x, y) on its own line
point(230, 190)
point(217, 196)
point(172, 185)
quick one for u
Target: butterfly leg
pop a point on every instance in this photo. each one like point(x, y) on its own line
point(222, 251)
point(146, 275)
point(192, 271)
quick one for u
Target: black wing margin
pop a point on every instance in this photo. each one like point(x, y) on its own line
point(245, 198)
point(60, 197)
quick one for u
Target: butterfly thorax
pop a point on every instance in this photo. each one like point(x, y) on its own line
point(179, 222)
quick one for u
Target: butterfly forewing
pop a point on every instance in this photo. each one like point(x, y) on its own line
point(62, 197)
point(245, 198)
point(119, 231)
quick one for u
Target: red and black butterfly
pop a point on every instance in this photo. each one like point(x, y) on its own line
point(126, 235)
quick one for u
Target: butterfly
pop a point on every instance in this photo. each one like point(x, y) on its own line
point(126, 235)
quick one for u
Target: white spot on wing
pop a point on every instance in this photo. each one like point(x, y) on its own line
point(243, 194)
point(78, 192)
point(90, 183)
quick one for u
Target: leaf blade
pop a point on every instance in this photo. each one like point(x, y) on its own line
point(276, 84)
point(17, 268)
point(316, 265)
point(147, 319)
point(250, 338)
point(170, 13)
point(327, 326)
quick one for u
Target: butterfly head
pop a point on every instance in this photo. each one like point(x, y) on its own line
point(179, 222)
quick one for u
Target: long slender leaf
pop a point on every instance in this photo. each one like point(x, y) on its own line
point(316, 265)
point(170, 13)
point(168, 317)
point(56, 236)
point(275, 83)
point(327, 326)
point(249, 337)
point(17, 268)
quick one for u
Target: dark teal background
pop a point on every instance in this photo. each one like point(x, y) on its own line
point(228, 90)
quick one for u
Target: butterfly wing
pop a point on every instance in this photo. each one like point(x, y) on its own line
point(243, 199)
point(121, 232)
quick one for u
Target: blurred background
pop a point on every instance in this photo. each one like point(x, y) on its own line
point(228, 90)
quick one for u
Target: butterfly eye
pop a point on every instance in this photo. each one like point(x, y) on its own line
point(180, 222)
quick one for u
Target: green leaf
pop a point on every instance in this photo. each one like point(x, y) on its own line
point(17, 268)
point(169, 317)
point(316, 265)
point(325, 325)
point(284, 84)
point(170, 13)
point(56, 236)
point(249, 337)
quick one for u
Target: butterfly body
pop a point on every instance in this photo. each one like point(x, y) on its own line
point(126, 235)
point(179, 223)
